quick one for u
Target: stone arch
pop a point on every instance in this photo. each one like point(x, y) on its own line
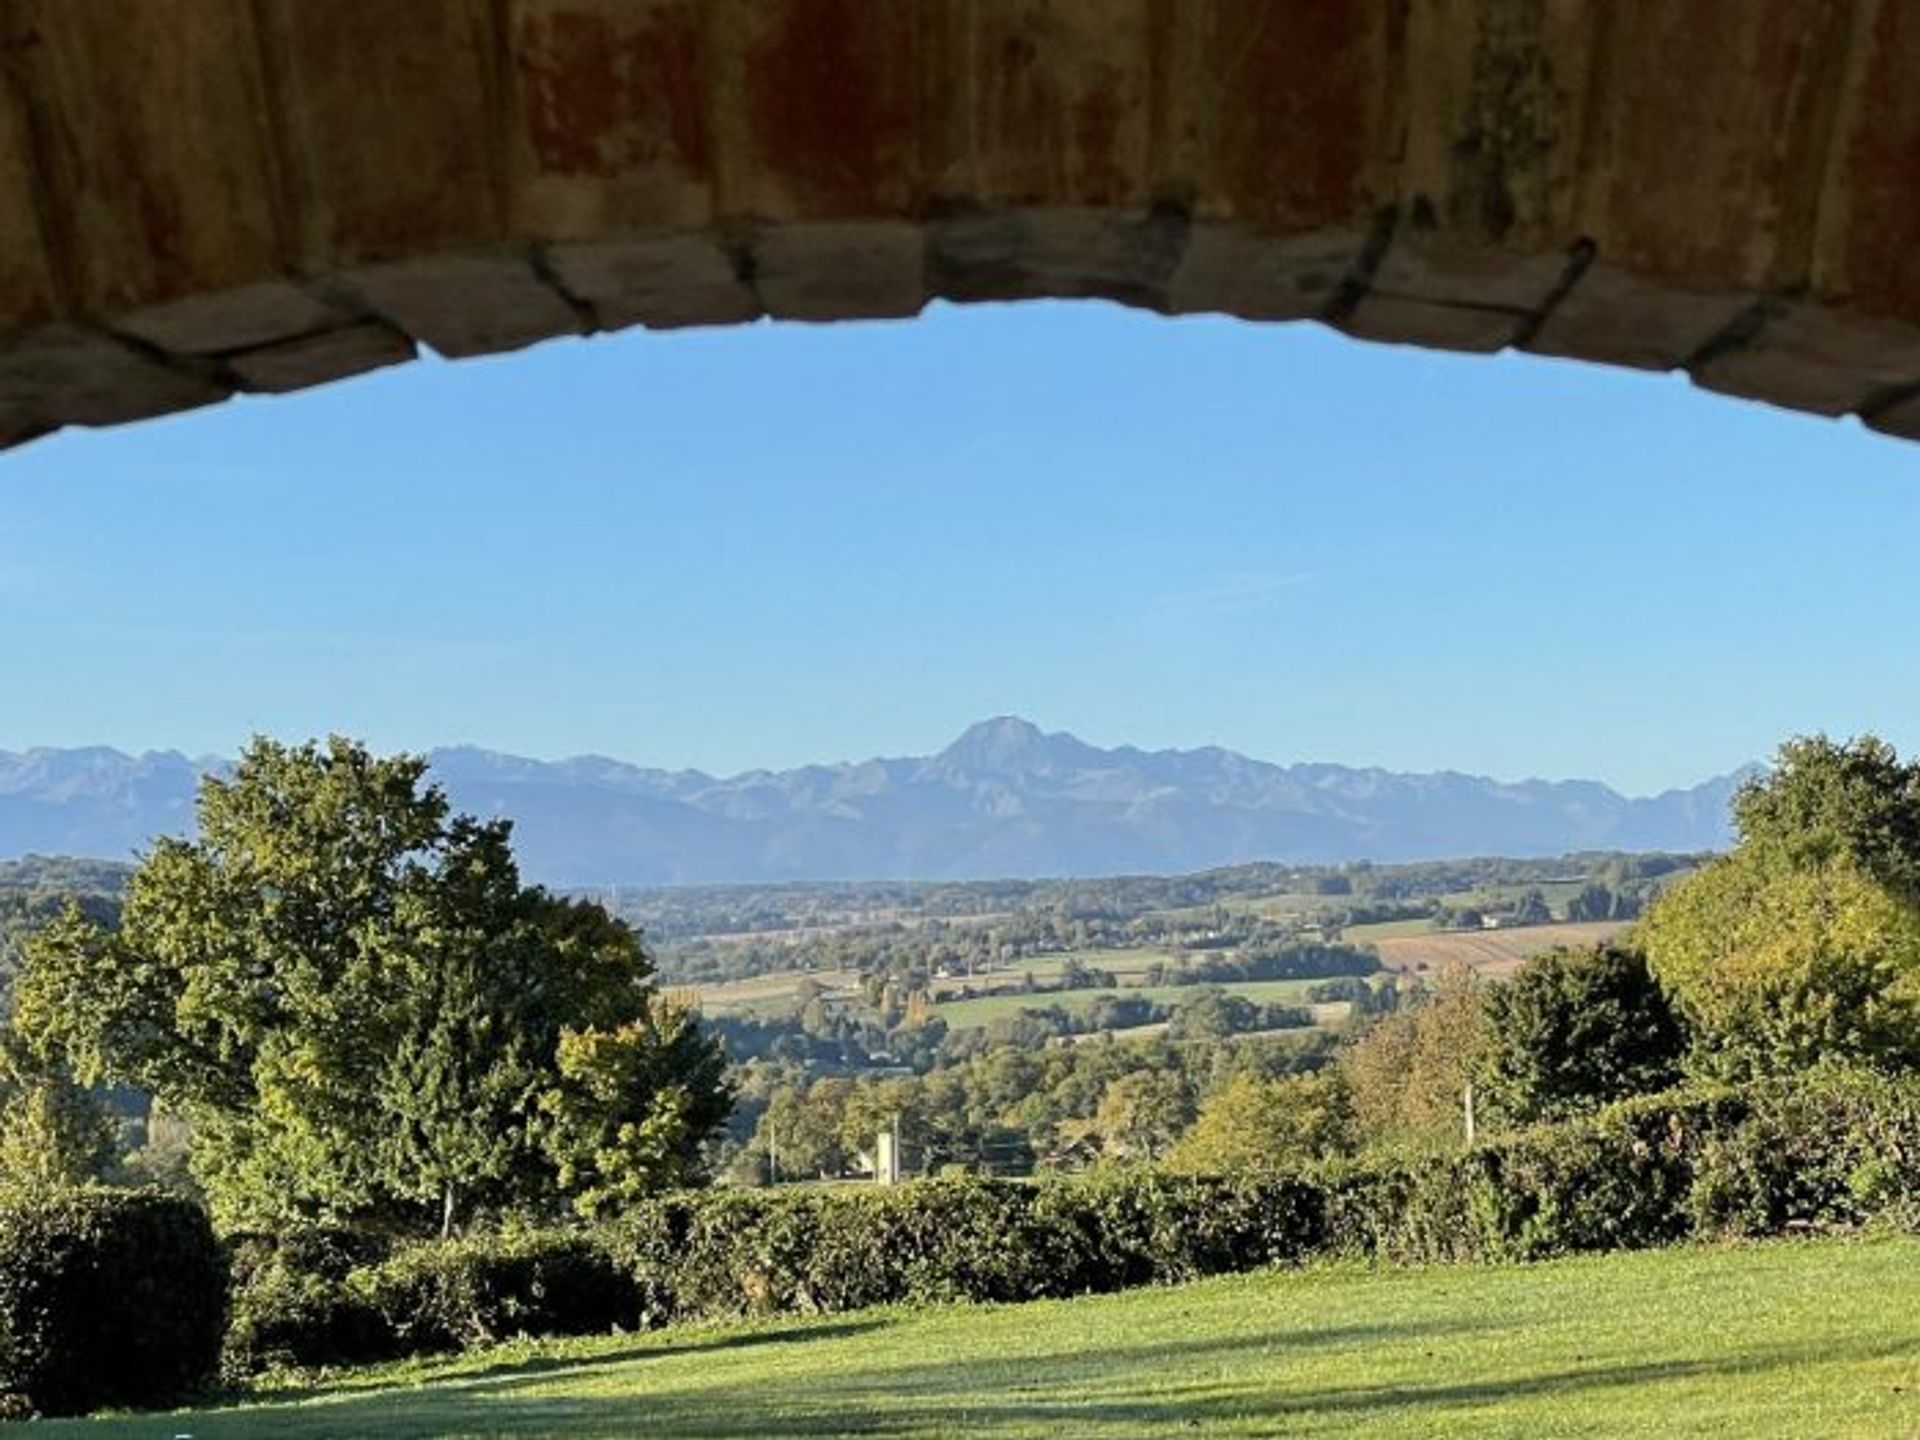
point(204, 197)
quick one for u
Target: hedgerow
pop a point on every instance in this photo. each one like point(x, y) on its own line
point(1831, 1150)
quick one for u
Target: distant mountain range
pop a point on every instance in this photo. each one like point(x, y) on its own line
point(1004, 800)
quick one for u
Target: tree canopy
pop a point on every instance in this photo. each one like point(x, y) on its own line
point(1255, 1122)
point(365, 1015)
point(1824, 798)
point(1575, 1029)
point(1779, 964)
point(1803, 943)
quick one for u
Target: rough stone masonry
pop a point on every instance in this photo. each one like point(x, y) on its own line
point(204, 197)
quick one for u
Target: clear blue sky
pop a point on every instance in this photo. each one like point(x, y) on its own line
point(775, 544)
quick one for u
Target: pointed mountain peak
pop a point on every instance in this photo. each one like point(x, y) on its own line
point(1008, 744)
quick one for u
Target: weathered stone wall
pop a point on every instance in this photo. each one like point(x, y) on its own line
point(199, 197)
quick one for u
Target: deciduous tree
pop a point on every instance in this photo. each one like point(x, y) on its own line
point(347, 990)
point(1780, 960)
point(1575, 1029)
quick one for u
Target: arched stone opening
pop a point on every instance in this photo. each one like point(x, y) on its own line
point(205, 197)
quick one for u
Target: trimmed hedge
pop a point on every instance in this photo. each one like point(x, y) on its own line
point(460, 1294)
point(1622, 1180)
point(292, 1304)
point(1146, 1227)
point(752, 1252)
point(1842, 1149)
point(108, 1298)
point(320, 1298)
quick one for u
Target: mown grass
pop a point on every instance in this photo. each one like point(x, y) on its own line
point(1795, 1339)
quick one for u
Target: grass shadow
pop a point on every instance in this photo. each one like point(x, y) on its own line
point(457, 1375)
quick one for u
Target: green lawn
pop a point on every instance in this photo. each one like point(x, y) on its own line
point(1808, 1339)
point(984, 1009)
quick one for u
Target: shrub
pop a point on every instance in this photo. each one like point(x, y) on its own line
point(316, 1298)
point(739, 1253)
point(1144, 1227)
point(756, 1252)
point(1839, 1148)
point(1620, 1180)
point(950, 1240)
point(457, 1294)
point(1576, 1029)
point(293, 1305)
point(108, 1298)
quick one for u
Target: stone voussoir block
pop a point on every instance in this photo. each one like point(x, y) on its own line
point(838, 270)
point(1063, 252)
point(663, 282)
point(1231, 269)
point(68, 374)
point(316, 359)
point(466, 303)
point(1815, 358)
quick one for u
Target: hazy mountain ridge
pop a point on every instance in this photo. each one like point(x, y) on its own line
point(1005, 799)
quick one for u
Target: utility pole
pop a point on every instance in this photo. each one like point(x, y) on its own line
point(886, 1153)
point(1468, 1103)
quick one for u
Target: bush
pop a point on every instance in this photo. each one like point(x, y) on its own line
point(1620, 1180)
point(1838, 1149)
point(108, 1298)
point(758, 1252)
point(320, 1298)
point(742, 1253)
point(952, 1240)
point(458, 1294)
point(1145, 1227)
point(293, 1305)
point(1576, 1029)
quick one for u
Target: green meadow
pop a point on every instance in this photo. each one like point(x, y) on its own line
point(1787, 1339)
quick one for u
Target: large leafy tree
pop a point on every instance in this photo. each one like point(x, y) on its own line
point(1823, 798)
point(1574, 1029)
point(1142, 1114)
point(366, 1015)
point(1803, 944)
point(52, 1132)
point(1780, 963)
point(1258, 1122)
point(1407, 1074)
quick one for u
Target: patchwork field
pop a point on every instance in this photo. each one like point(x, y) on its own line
point(778, 993)
point(1126, 966)
point(1787, 1340)
point(984, 1009)
point(1490, 952)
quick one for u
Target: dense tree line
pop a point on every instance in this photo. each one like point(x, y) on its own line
point(1007, 1109)
point(968, 928)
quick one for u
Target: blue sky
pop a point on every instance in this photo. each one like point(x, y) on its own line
point(774, 544)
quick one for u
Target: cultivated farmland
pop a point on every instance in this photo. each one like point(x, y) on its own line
point(1489, 952)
